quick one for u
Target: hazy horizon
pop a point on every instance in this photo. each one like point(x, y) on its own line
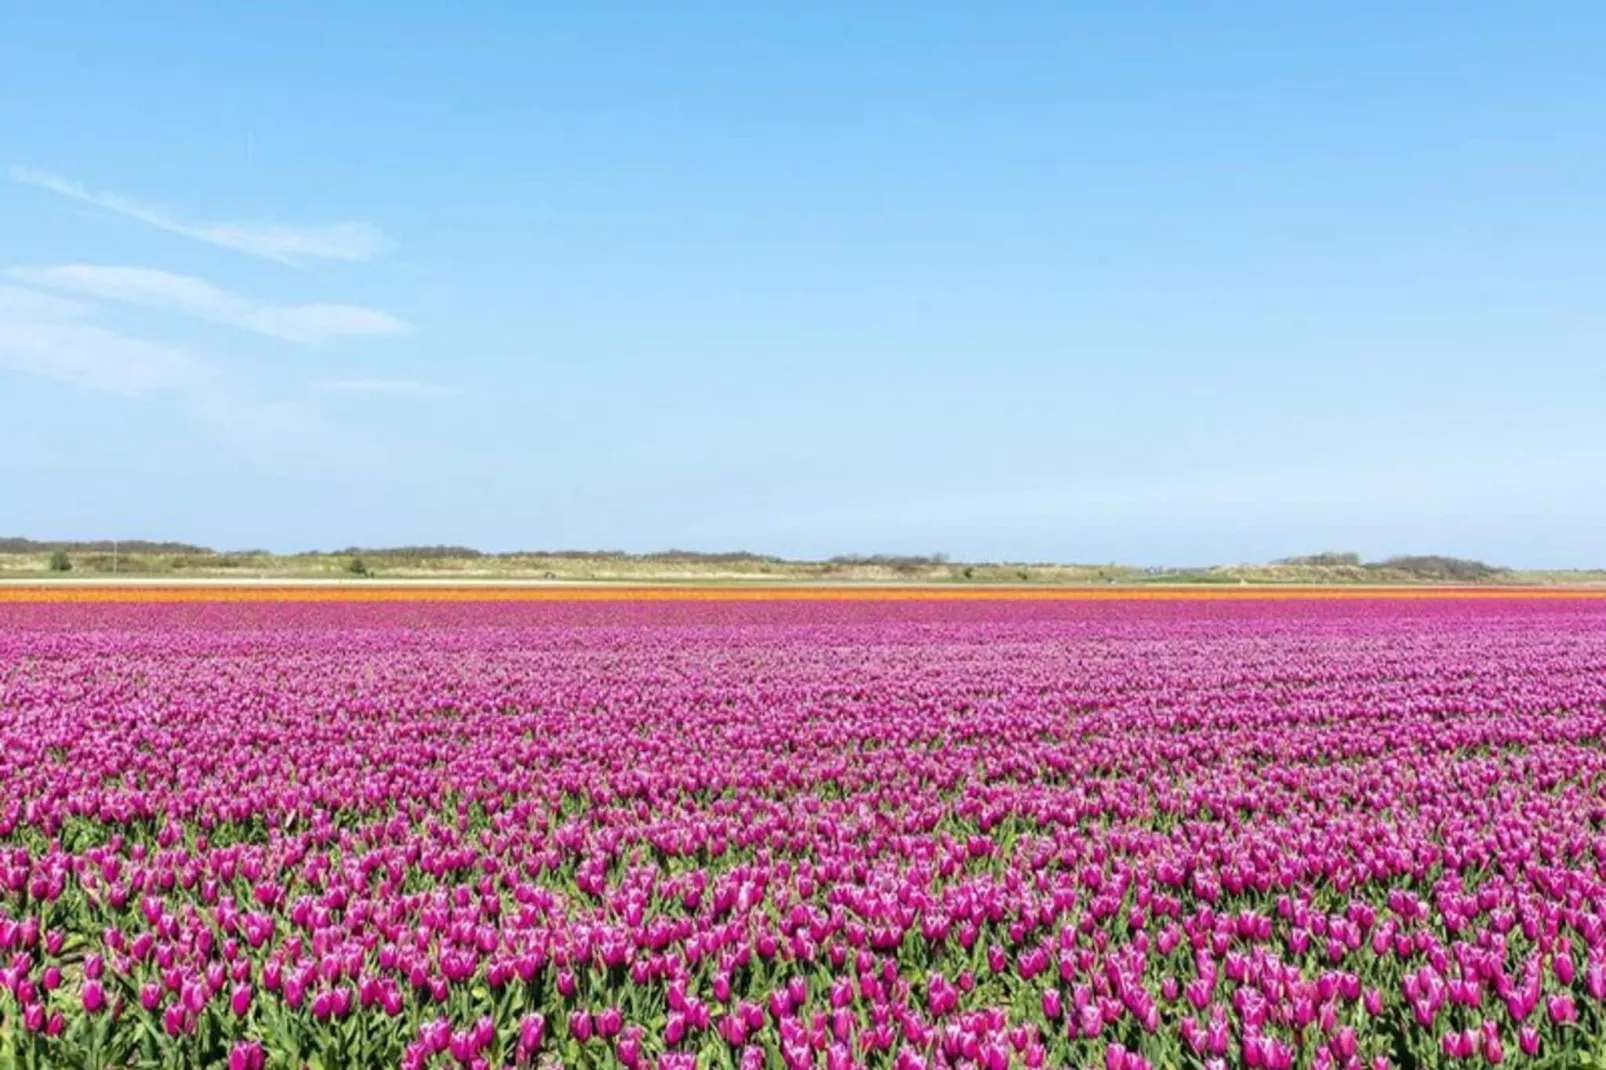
point(136, 545)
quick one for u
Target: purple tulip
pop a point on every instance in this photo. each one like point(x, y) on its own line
point(247, 1055)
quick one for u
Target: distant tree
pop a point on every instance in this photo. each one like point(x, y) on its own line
point(1331, 558)
point(60, 562)
point(357, 566)
point(906, 563)
point(12, 545)
point(1439, 567)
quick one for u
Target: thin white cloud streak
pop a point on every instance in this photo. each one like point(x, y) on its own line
point(153, 288)
point(284, 243)
point(392, 387)
point(47, 336)
point(17, 303)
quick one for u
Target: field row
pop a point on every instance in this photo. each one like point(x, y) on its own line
point(430, 591)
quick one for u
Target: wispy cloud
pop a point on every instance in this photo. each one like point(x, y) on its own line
point(49, 336)
point(55, 338)
point(150, 287)
point(272, 241)
point(397, 387)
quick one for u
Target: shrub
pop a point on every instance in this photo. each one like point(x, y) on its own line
point(1439, 567)
point(60, 562)
point(1329, 558)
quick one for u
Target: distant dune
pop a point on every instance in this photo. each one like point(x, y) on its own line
point(25, 560)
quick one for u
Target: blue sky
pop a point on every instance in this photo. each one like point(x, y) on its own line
point(1140, 282)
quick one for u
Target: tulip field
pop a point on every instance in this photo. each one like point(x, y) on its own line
point(269, 833)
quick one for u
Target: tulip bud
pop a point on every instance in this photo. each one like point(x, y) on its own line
point(532, 1028)
point(629, 1049)
point(247, 1055)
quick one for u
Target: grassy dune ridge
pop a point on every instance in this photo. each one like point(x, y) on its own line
point(26, 560)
